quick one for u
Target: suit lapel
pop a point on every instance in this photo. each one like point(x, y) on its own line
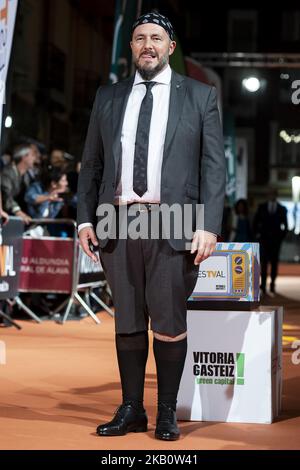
point(122, 92)
point(177, 95)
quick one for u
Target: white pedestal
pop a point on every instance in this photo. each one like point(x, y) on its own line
point(233, 366)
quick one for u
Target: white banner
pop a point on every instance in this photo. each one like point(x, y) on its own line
point(233, 366)
point(214, 275)
point(8, 9)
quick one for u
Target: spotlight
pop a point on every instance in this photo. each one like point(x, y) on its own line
point(252, 84)
point(8, 121)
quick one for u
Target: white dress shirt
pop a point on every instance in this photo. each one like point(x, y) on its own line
point(272, 207)
point(161, 96)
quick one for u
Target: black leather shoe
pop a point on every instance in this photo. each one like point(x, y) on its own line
point(166, 423)
point(127, 419)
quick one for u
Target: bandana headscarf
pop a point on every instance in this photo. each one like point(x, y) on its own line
point(155, 18)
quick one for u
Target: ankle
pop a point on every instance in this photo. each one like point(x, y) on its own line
point(136, 404)
point(166, 404)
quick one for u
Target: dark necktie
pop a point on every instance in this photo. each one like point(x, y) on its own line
point(142, 142)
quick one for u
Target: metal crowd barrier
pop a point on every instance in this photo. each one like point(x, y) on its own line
point(75, 286)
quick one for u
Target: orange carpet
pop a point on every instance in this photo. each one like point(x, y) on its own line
point(59, 382)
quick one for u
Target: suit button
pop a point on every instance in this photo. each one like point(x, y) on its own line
point(113, 185)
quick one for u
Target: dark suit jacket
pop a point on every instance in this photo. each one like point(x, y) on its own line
point(193, 167)
point(270, 227)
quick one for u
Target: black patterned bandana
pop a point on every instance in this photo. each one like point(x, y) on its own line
point(155, 18)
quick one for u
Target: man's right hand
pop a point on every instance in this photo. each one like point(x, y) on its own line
point(86, 237)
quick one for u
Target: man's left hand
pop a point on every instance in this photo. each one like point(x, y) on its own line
point(204, 243)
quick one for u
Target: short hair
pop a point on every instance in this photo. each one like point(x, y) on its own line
point(49, 174)
point(20, 151)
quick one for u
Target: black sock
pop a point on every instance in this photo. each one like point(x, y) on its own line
point(170, 358)
point(132, 353)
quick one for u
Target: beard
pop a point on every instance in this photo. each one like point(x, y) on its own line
point(149, 73)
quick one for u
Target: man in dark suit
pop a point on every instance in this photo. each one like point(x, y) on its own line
point(270, 228)
point(154, 140)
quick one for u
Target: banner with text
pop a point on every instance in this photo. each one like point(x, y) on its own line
point(47, 265)
point(10, 257)
point(233, 366)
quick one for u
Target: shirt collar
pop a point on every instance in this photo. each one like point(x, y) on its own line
point(163, 77)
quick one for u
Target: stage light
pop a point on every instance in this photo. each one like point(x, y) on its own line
point(252, 84)
point(8, 122)
point(288, 138)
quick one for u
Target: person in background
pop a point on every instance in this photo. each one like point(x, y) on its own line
point(61, 159)
point(32, 174)
point(270, 228)
point(5, 159)
point(13, 183)
point(37, 161)
point(56, 158)
point(226, 220)
point(43, 197)
point(241, 228)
